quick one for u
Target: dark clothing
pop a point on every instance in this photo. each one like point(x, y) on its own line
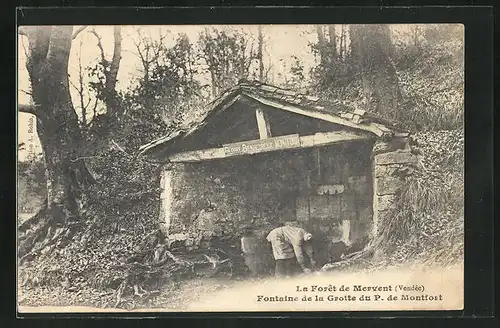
point(287, 267)
point(308, 250)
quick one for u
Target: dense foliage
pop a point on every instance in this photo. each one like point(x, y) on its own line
point(31, 185)
point(428, 222)
point(426, 225)
point(228, 56)
point(429, 64)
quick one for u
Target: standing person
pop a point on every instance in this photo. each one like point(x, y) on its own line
point(287, 242)
point(250, 246)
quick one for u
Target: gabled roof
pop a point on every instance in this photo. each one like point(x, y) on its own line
point(287, 100)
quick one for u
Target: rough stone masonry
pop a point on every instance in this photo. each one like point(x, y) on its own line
point(393, 162)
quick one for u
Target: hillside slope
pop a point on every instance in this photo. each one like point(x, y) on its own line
point(428, 226)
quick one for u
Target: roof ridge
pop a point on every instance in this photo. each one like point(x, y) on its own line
point(351, 115)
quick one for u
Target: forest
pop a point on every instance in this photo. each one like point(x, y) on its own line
point(88, 204)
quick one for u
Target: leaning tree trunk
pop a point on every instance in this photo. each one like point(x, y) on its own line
point(60, 137)
point(372, 47)
point(260, 55)
point(108, 92)
point(322, 45)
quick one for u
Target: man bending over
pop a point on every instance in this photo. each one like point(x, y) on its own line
point(287, 242)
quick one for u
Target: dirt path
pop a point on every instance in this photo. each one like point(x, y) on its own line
point(222, 295)
point(263, 296)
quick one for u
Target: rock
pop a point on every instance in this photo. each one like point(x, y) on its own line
point(396, 157)
point(390, 145)
point(380, 170)
point(385, 202)
point(388, 185)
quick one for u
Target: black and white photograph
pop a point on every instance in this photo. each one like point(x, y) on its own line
point(240, 168)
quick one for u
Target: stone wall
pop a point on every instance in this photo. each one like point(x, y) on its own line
point(392, 163)
point(217, 198)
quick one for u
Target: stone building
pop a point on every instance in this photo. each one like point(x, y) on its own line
point(258, 155)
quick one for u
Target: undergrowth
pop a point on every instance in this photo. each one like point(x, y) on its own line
point(427, 223)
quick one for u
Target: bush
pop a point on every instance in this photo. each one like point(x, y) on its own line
point(431, 79)
point(32, 189)
point(427, 225)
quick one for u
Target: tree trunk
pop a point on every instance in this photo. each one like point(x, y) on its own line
point(81, 88)
point(342, 43)
point(322, 47)
point(372, 47)
point(108, 93)
point(59, 133)
point(112, 103)
point(260, 55)
point(333, 41)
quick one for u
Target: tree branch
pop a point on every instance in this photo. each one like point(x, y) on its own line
point(115, 62)
point(94, 110)
point(30, 109)
point(26, 92)
point(145, 62)
point(72, 84)
point(130, 156)
point(33, 110)
point(77, 31)
point(83, 158)
point(99, 44)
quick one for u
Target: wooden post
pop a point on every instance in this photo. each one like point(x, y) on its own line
point(346, 231)
point(259, 55)
point(166, 198)
point(263, 124)
point(317, 152)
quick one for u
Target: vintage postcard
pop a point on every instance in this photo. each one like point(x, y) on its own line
point(222, 168)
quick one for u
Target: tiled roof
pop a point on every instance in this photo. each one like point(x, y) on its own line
point(288, 100)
